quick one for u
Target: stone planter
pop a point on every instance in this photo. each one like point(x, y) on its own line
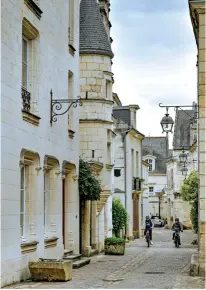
point(114, 249)
point(51, 270)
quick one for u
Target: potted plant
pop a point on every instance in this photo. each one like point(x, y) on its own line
point(114, 246)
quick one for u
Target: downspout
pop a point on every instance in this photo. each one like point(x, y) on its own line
point(125, 167)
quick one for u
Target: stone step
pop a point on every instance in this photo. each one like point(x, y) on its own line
point(73, 257)
point(68, 252)
point(94, 252)
point(81, 263)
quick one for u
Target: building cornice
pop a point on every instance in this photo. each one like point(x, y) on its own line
point(95, 121)
point(98, 101)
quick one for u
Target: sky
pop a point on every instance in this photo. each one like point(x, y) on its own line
point(155, 58)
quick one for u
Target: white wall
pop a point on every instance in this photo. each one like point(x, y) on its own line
point(53, 62)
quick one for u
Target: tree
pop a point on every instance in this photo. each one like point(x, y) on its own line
point(189, 192)
point(119, 216)
point(89, 185)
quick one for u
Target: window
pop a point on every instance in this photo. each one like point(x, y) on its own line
point(109, 152)
point(151, 189)
point(70, 96)
point(108, 90)
point(46, 193)
point(24, 63)
point(132, 156)
point(30, 71)
point(71, 22)
point(150, 163)
point(137, 163)
point(23, 196)
point(93, 153)
point(117, 172)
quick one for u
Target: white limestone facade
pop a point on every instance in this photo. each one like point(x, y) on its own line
point(38, 159)
point(128, 168)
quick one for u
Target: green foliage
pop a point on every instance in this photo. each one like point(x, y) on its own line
point(89, 185)
point(112, 241)
point(119, 216)
point(189, 192)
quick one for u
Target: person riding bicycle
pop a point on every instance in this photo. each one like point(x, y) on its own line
point(177, 226)
point(148, 226)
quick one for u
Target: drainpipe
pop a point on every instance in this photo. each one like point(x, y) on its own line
point(125, 166)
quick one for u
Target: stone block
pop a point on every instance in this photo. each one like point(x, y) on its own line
point(87, 251)
point(91, 81)
point(202, 92)
point(83, 66)
point(202, 31)
point(93, 66)
point(194, 265)
point(202, 66)
point(114, 249)
point(51, 270)
point(202, 19)
point(202, 223)
point(202, 44)
point(202, 78)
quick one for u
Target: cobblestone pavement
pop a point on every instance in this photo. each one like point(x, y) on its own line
point(161, 266)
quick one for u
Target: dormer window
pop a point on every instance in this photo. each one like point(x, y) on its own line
point(150, 164)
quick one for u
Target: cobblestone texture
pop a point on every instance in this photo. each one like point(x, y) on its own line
point(130, 270)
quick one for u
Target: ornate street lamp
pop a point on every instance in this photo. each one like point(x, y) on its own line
point(167, 123)
point(184, 170)
point(183, 157)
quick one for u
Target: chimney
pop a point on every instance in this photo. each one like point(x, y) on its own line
point(133, 110)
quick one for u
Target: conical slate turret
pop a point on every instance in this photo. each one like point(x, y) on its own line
point(93, 36)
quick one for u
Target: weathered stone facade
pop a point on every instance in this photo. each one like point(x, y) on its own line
point(96, 124)
point(37, 158)
point(198, 16)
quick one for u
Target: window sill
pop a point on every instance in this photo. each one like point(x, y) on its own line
point(50, 242)
point(71, 133)
point(72, 50)
point(29, 247)
point(109, 166)
point(30, 118)
point(34, 8)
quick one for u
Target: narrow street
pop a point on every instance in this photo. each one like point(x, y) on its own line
point(161, 266)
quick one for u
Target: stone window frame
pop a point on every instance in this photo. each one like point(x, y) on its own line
point(71, 131)
point(52, 168)
point(71, 27)
point(31, 161)
point(31, 35)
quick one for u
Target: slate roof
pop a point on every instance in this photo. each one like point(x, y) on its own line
point(93, 35)
point(181, 137)
point(123, 113)
point(156, 146)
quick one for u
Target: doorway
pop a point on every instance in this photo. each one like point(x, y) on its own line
point(63, 211)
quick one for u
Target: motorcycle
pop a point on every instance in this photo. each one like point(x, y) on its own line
point(177, 238)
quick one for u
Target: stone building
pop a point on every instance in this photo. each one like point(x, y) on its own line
point(198, 14)
point(39, 161)
point(155, 152)
point(183, 139)
point(96, 124)
point(128, 164)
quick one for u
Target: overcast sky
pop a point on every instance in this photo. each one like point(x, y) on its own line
point(155, 57)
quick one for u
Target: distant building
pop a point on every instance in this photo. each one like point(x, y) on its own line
point(184, 139)
point(128, 165)
point(155, 152)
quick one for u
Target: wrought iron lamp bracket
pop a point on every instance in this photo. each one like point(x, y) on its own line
point(56, 108)
point(180, 107)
